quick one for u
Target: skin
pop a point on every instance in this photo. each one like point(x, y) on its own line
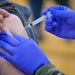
point(3, 14)
point(14, 24)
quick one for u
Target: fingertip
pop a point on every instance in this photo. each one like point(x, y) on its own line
point(44, 11)
point(54, 24)
point(48, 28)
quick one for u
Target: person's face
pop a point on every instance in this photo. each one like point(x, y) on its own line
point(15, 25)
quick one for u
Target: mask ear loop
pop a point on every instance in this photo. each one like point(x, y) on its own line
point(7, 31)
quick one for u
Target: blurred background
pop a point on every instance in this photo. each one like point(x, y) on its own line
point(61, 52)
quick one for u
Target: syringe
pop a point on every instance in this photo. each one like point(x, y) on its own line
point(38, 20)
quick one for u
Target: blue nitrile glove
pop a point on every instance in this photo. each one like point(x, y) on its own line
point(62, 21)
point(25, 54)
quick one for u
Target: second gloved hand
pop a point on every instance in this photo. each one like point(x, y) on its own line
point(62, 22)
point(25, 54)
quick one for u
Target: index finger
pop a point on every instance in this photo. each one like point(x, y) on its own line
point(4, 12)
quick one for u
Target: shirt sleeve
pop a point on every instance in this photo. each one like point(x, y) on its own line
point(48, 69)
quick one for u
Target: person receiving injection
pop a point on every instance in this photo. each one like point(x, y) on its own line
point(26, 55)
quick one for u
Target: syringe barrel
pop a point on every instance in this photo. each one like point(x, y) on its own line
point(38, 20)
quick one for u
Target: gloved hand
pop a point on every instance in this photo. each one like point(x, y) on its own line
point(62, 21)
point(25, 54)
